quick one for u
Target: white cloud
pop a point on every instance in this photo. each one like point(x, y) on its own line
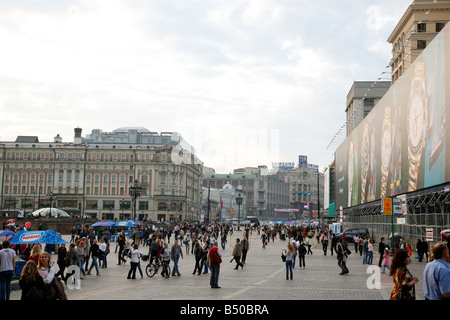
point(207, 68)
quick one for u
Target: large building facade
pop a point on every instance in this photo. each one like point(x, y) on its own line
point(263, 193)
point(419, 25)
point(361, 99)
point(92, 176)
point(401, 151)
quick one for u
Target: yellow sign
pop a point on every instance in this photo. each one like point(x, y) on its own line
point(387, 206)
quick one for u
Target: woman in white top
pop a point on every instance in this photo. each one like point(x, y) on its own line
point(7, 266)
point(47, 273)
point(134, 262)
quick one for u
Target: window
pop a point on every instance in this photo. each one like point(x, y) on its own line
point(439, 26)
point(421, 44)
point(422, 27)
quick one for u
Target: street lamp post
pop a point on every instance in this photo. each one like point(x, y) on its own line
point(122, 202)
point(135, 192)
point(50, 196)
point(239, 190)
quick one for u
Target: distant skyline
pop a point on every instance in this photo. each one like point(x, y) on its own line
point(246, 83)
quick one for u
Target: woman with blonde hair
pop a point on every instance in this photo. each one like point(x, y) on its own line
point(35, 253)
point(31, 282)
point(289, 258)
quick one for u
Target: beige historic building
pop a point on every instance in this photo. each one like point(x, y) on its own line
point(421, 22)
point(92, 176)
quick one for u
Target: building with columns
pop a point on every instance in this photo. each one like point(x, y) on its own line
point(92, 176)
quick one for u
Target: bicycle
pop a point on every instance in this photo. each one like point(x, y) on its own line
point(152, 268)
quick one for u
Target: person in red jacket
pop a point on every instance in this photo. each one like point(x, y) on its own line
point(215, 258)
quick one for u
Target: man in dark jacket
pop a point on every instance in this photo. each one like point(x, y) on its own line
point(94, 251)
point(245, 246)
point(381, 247)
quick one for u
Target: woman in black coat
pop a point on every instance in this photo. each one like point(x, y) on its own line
point(31, 282)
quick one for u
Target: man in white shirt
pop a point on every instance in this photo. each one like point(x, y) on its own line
point(7, 267)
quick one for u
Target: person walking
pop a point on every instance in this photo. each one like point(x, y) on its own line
point(175, 253)
point(342, 255)
point(205, 250)
point(31, 283)
point(94, 252)
point(245, 248)
point(122, 245)
point(187, 241)
point(215, 258)
point(264, 240)
point(72, 258)
point(198, 253)
point(288, 262)
point(369, 251)
point(334, 242)
point(381, 251)
point(402, 278)
point(7, 268)
point(360, 245)
point(356, 242)
point(386, 255)
point(61, 261)
point(310, 243)
point(165, 253)
point(301, 255)
point(324, 241)
point(81, 255)
point(436, 275)
point(237, 253)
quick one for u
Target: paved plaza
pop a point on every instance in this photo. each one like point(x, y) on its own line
point(262, 278)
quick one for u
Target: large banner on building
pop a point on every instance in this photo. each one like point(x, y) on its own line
point(401, 145)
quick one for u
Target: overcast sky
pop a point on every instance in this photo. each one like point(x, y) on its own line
point(246, 82)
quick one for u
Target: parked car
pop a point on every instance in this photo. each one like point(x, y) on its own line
point(350, 233)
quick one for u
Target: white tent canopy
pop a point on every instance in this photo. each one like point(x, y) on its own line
point(54, 213)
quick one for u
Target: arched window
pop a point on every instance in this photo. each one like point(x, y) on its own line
point(162, 206)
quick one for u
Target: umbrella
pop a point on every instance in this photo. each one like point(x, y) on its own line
point(54, 213)
point(6, 234)
point(125, 223)
point(137, 222)
point(34, 237)
point(103, 224)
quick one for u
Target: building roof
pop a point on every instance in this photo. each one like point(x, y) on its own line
point(27, 139)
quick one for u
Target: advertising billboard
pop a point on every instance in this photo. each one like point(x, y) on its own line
point(401, 145)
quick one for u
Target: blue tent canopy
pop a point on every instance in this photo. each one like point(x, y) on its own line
point(125, 223)
point(6, 234)
point(34, 237)
point(103, 224)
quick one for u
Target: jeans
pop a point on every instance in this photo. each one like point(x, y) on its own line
point(132, 272)
point(5, 284)
point(175, 267)
point(343, 265)
point(94, 264)
point(384, 269)
point(289, 269)
point(214, 280)
point(369, 259)
point(301, 261)
point(204, 266)
point(80, 265)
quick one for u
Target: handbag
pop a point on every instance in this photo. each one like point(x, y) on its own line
point(407, 294)
point(283, 255)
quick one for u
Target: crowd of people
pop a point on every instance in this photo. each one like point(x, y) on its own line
point(89, 248)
